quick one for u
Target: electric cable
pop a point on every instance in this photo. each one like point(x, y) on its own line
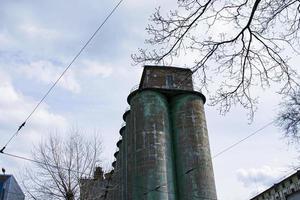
point(53, 166)
point(215, 156)
point(243, 139)
point(157, 188)
point(42, 163)
point(288, 173)
point(62, 74)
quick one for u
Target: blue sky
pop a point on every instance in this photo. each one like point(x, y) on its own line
point(39, 38)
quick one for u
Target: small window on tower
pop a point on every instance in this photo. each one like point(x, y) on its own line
point(169, 81)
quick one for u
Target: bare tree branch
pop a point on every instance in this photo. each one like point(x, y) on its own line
point(63, 163)
point(289, 117)
point(253, 49)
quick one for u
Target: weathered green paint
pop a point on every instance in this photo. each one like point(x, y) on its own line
point(152, 149)
point(165, 141)
point(120, 167)
point(124, 167)
point(129, 164)
point(191, 146)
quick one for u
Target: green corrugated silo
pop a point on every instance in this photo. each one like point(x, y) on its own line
point(129, 168)
point(115, 191)
point(152, 148)
point(164, 154)
point(121, 159)
point(194, 170)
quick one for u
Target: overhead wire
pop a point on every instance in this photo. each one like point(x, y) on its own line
point(157, 188)
point(215, 156)
point(108, 187)
point(42, 163)
point(243, 139)
point(62, 74)
point(288, 173)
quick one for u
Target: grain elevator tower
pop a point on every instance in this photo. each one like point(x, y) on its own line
point(164, 151)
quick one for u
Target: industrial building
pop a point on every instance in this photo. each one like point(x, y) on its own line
point(10, 189)
point(95, 188)
point(287, 189)
point(164, 151)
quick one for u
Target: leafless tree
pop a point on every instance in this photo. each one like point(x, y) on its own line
point(244, 44)
point(61, 164)
point(289, 117)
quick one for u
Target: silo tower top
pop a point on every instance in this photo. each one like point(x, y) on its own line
point(166, 78)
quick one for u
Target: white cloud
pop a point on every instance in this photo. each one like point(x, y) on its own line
point(262, 177)
point(93, 68)
point(36, 31)
point(14, 107)
point(46, 72)
point(5, 39)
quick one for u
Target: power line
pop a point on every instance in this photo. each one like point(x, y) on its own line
point(195, 196)
point(54, 166)
point(242, 140)
point(288, 173)
point(50, 165)
point(63, 73)
point(42, 163)
point(155, 189)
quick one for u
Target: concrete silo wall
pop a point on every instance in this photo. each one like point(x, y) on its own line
point(115, 190)
point(152, 148)
point(120, 167)
point(194, 170)
point(129, 155)
point(124, 164)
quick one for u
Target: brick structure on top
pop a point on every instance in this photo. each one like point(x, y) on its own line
point(166, 78)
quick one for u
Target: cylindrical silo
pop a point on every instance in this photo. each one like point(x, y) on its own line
point(194, 170)
point(112, 189)
point(129, 163)
point(118, 172)
point(124, 166)
point(152, 148)
point(120, 161)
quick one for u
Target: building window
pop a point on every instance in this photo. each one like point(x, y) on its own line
point(169, 81)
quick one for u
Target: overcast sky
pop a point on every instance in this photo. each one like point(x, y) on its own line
point(39, 38)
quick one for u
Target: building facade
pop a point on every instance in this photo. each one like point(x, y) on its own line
point(287, 189)
point(95, 188)
point(164, 152)
point(10, 189)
